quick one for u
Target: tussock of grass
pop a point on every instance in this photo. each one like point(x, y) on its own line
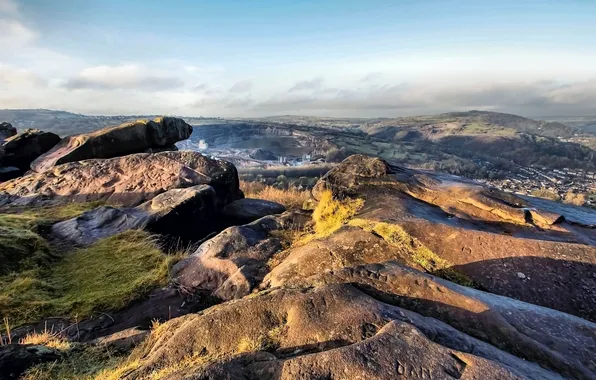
point(291, 198)
point(80, 363)
point(47, 338)
point(331, 214)
point(21, 246)
point(427, 259)
point(104, 276)
point(21, 249)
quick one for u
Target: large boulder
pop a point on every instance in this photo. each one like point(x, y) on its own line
point(6, 131)
point(20, 150)
point(248, 210)
point(17, 358)
point(127, 138)
point(126, 181)
point(187, 214)
point(525, 248)
point(232, 263)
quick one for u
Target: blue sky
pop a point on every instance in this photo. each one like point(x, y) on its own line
point(330, 58)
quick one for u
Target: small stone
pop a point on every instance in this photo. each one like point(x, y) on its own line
point(521, 275)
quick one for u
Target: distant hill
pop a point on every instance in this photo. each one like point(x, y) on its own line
point(476, 144)
point(60, 122)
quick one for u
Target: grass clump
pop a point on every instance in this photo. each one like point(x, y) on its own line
point(427, 259)
point(331, 214)
point(21, 248)
point(81, 362)
point(104, 276)
point(47, 338)
point(292, 198)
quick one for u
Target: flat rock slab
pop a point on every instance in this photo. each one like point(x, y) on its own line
point(184, 213)
point(115, 141)
point(248, 210)
point(126, 181)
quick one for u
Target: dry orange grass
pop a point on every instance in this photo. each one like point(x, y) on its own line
point(292, 198)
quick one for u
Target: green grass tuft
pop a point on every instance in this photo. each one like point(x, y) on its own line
point(102, 277)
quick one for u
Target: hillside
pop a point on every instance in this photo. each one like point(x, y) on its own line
point(476, 144)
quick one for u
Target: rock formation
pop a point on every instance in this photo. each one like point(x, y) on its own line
point(115, 141)
point(126, 181)
point(187, 214)
point(21, 149)
point(6, 131)
point(414, 274)
point(248, 210)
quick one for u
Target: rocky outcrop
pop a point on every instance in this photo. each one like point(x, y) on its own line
point(17, 358)
point(300, 333)
point(187, 214)
point(529, 249)
point(127, 138)
point(248, 210)
point(6, 131)
point(20, 150)
point(231, 264)
point(126, 181)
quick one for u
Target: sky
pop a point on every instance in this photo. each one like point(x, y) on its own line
point(341, 58)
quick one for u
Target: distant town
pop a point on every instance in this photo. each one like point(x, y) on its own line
point(538, 181)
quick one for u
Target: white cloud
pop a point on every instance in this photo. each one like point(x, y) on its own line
point(12, 77)
point(129, 76)
point(9, 7)
point(241, 86)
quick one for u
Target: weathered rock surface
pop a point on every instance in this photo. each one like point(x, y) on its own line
point(332, 330)
point(115, 141)
point(17, 358)
point(21, 149)
point(347, 247)
point(231, 264)
point(126, 181)
point(6, 131)
point(187, 214)
point(123, 340)
point(248, 210)
point(509, 245)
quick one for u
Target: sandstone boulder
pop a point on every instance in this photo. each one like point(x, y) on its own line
point(115, 141)
point(248, 210)
point(21, 149)
point(17, 358)
point(231, 264)
point(126, 181)
point(187, 214)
